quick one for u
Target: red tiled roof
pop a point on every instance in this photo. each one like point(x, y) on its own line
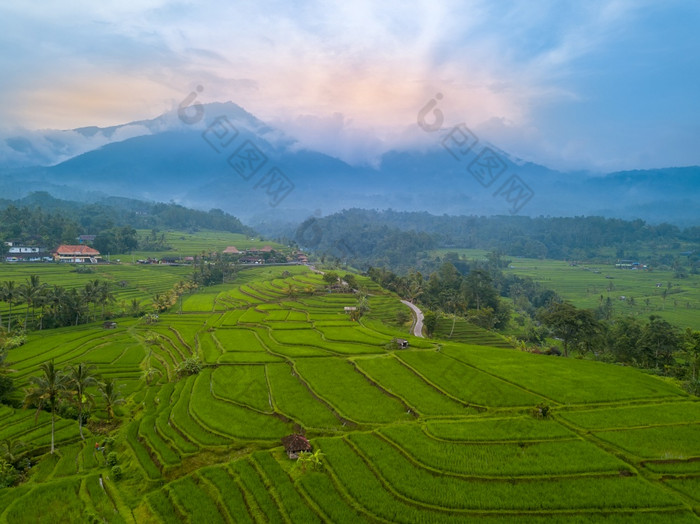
point(231, 250)
point(77, 250)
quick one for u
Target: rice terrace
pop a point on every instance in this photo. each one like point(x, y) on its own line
point(204, 392)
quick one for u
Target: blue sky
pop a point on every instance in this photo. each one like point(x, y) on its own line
point(586, 85)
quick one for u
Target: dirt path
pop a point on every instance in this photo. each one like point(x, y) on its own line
point(418, 325)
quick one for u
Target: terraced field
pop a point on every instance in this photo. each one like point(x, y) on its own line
point(441, 432)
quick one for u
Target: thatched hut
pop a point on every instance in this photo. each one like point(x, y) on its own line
point(295, 444)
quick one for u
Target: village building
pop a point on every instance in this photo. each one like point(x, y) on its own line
point(17, 252)
point(401, 343)
point(231, 250)
point(295, 444)
point(77, 254)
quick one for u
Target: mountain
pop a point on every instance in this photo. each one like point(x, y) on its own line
point(231, 160)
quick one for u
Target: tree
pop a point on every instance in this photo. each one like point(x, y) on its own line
point(454, 304)
point(81, 377)
point(10, 294)
point(479, 291)
point(30, 291)
point(47, 390)
point(6, 382)
point(430, 320)
point(570, 324)
point(330, 278)
point(657, 343)
point(624, 337)
point(110, 394)
point(351, 281)
point(691, 347)
point(103, 294)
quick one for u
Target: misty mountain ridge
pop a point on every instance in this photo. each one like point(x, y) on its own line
point(231, 160)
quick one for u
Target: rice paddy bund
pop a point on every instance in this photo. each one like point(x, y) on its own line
point(443, 431)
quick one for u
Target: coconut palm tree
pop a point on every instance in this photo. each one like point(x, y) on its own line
point(81, 377)
point(30, 292)
point(110, 394)
point(47, 390)
point(10, 294)
point(103, 294)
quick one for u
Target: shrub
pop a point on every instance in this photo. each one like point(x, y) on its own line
point(117, 473)
point(692, 387)
point(8, 474)
point(541, 411)
point(189, 366)
point(6, 386)
point(112, 458)
point(15, 341)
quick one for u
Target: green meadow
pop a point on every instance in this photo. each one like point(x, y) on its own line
point(444, 431)
point(638, 293)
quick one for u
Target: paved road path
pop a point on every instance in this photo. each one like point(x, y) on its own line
point(418, 326)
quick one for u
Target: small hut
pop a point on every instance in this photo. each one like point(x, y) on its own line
point(401, 343)
point(295, 444)
point(109, 325)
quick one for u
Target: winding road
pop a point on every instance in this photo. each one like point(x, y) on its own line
point(418, 325)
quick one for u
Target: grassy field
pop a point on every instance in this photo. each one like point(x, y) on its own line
point(584, 284)
point(444, 431)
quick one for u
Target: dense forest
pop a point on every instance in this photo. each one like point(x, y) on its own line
point(39, 219)
point(399, 240)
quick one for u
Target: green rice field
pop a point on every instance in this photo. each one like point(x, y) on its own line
point(444, 431)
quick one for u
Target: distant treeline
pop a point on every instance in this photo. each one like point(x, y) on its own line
point(40, 219)
point(399, 239)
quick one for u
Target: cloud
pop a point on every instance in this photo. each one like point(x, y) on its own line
point(345, 77)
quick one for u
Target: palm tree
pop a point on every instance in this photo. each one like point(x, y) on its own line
point(81, 377)
point(90, 293)
point(110, 394)
point(43, 299)
point(47, 389)
point(30, 292)
point(103, 294)
point(2, 299)
point(10, 295)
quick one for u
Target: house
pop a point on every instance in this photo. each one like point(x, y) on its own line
point(295, 444)
point(401, 343)
point(17, 252)
point(231, 250)
point(109, 325)
point(76, 254)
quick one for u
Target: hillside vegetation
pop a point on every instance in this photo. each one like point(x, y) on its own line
point(443, 431)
